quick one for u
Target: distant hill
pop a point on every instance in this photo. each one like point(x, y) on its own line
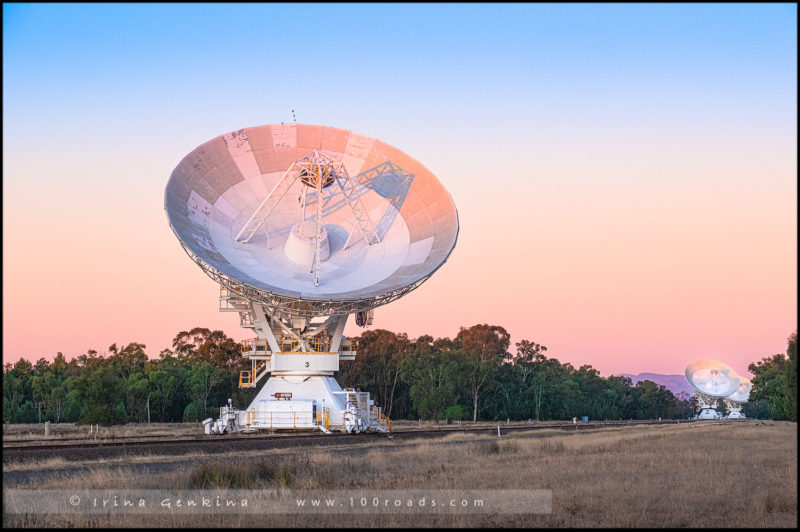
point(673, 383)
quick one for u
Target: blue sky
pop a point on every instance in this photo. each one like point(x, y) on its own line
point(403, 65)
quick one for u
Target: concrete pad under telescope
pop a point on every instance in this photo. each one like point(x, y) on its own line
point(216, 188)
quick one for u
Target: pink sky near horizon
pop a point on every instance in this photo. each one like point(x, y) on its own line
point(607, 273)
point(630, 201)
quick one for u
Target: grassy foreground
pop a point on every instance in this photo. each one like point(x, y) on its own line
point(713, 474)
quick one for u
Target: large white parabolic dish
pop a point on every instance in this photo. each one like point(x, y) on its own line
point(712, 378)
point(217, 187)
point(742, 394)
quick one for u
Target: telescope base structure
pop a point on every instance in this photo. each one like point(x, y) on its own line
point(734, 409)
point(303, 402)
point(707, 405)
point(300, 356)
point(708, 413)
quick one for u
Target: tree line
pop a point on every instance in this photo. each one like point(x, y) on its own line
point(775, 383)
point(471, 376)
point(126, 385)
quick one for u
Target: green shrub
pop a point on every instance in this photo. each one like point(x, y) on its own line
point(454, 412)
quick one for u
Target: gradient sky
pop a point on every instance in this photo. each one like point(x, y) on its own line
point(625, 175)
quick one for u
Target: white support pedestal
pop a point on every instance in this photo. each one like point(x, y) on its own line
point(707, 405)
point(734, 409)
point(301, 392)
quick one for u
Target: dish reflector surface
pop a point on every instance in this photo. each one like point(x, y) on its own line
point(712, 378)
point(217, 187)
point(743, 393)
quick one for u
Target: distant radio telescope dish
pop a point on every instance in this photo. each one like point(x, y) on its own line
point(302, 226)
point(735, 400)
point(245, 207)
point(711, 380)
point(743, 393)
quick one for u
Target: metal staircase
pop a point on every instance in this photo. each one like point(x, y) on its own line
point(249, 378)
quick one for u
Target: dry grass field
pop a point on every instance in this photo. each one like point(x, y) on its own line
point(35, 431)
point(712, 474)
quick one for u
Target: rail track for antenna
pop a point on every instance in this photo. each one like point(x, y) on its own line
point(15, 452)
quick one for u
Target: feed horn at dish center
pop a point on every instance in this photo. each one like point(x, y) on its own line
point(303, 226)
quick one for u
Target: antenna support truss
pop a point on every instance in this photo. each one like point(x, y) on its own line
point(316, 171)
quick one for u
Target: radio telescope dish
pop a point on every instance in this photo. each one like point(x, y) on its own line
point(244, 207)
point(711, 380)
point(743, 393)
point(735, 400)
point(301, 226)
